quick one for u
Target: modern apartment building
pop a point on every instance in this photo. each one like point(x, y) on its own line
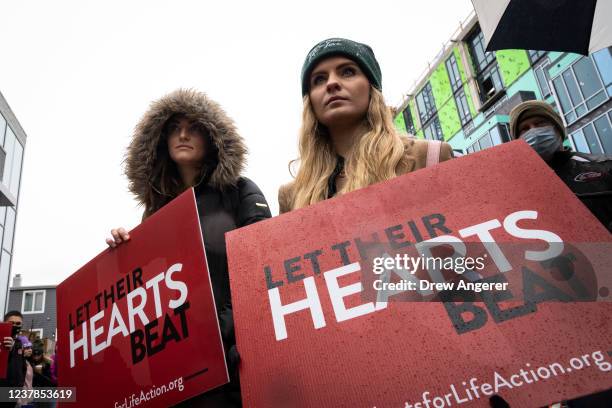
point(465, 96)
point(12, 145)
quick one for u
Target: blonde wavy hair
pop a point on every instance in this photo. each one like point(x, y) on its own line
point(377, 155)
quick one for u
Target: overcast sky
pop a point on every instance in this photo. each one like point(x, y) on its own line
point(78, 76)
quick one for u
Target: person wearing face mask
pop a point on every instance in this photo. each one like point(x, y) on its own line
point(588, 176)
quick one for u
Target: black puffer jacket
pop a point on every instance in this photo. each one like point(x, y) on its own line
point(225, 200)
point(590, 178)
point(15, 371)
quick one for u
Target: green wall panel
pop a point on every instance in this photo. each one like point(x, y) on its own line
point(445, 103)
point(420, 134)
point(440, 85)
point(399, 122)
point(512, 64)
point(449, 119)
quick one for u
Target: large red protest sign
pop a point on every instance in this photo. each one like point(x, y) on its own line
point(137, 325)
point(308, 336)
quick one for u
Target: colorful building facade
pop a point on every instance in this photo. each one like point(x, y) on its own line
point(467, 94)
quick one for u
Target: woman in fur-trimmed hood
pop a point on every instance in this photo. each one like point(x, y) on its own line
point(153, 175)
point(186, 140)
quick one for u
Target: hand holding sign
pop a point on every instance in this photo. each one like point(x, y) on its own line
point(125, 317)
point(119, 235)
point(326, 339)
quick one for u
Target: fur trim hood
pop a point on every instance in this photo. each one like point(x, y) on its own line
point(142, 151)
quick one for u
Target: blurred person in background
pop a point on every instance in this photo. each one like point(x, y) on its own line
point(17, 367)
point(41, 366)
point(588, 176)
point(26, 345)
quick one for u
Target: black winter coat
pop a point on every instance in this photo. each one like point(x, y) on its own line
point(225, 201)
point(590, 178)
point(15, 371)
point(43, 379)
point(221, 212)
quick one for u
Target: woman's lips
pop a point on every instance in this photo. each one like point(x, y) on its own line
point(335, 99)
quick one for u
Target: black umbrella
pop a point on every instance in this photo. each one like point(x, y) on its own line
point(578, 26)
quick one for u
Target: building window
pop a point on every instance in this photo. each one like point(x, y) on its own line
point(541, 73)
point(425, 103)
point(453, 73)
point(490, 82)
point(2, 128)
point(38, 333)
point(8, 146)
point(5, 263)
point(463, 107)
point(9, 228)
point(408, 121)
point(603, 61)
point(11, 160)
point(460, 99)
point(595, 137)
point(433, 130)
point(481, 58)
point(534, 55)
point(487, 72)
point(33, 301)
point(495, 136)
point(579, 89)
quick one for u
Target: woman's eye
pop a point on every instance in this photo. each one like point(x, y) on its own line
point(348, 71)
point(318, 80)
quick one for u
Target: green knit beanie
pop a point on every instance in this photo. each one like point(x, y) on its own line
point(362, 54)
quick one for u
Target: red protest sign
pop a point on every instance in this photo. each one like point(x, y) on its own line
point(137, 325)
point(5, 331)
point(310, 335)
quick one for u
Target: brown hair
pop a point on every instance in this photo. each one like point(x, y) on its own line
point(165, 179)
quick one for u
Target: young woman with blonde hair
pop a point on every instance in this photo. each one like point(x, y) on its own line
point(348, 140)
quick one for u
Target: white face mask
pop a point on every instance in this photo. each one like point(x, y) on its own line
point(544, 140)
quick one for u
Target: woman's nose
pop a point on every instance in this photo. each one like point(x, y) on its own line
point(183, 133)
point(333, 83)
